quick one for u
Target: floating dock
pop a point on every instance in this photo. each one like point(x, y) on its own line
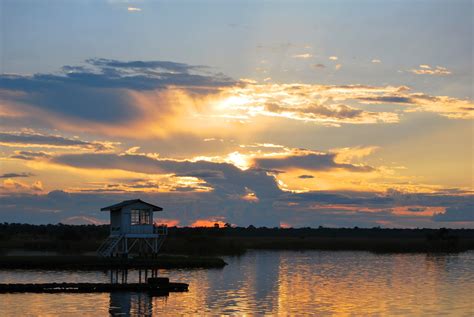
point(81, 262)
point(155, 286)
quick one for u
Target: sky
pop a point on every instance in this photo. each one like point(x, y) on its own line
point(265, 113)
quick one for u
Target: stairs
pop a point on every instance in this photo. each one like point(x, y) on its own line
point(106, 249)
point(160, 242)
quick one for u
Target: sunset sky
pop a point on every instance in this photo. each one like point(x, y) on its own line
point(271, 113)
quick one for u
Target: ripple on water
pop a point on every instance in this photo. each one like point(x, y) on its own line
point(274, 282)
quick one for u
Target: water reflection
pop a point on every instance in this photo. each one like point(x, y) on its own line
point(130, 304)
point(331, 282)
point(276, 283)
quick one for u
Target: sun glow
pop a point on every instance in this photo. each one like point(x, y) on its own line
point(239, 160)
point(233, 102)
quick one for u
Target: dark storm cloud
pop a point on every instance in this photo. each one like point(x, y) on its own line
point(225, 178)
point(309, 161)
point(229, 184)
point(106, 73)
point(99, 92)
point(188, 206)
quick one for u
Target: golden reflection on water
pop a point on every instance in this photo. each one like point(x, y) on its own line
point(340, 283)
point(276, 283)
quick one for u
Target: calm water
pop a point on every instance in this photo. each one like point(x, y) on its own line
point(275, 283)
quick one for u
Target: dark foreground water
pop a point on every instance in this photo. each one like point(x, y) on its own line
point(274, 283)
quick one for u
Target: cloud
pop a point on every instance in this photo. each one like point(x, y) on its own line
point(463, 213)
point(30, 139)
point(328, 104)
point(416, 209)
point(128, 98)
point(304, 176)
point(303, 56)
point(103, 94)
point(327, 208)
point(264, 169)
point(147, 67)
point(9, 186)
point(82, 220)
point(387, 99)
point(314, 103)
point(329, 198)
point(16, 175)
point(453, 108)
point(223, 178)
point(307, 160)
point(202, 174)
point(333, 58)
point(318, 66)
point(270, 158)
point(30, 155)
point(259, 182)
point(167, 222)
point(428, 70)
point(207, 223)
point(335, 113)
point(348, 154)
point(157, 184)
point(53, 207)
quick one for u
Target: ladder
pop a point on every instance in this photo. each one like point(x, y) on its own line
point(109, 245)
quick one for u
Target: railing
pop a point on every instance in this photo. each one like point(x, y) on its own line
point(162, 229)
point(147, 229)
point(142, 229)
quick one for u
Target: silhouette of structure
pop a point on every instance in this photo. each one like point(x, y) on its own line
point(130, 304)
point(132, 230)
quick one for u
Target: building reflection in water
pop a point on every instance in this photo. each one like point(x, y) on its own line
point(130, 304)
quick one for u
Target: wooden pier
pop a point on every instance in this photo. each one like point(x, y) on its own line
point(154, 286)
point(84, 263)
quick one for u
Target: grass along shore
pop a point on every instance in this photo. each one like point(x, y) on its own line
point(70, 239)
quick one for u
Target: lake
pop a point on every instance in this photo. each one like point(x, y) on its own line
point(274, 283)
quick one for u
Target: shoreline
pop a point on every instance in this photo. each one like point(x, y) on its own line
point(205, 242)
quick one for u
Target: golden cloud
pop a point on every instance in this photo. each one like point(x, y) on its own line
point(428, 70)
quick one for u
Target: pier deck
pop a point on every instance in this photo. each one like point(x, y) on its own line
point(66, 262)
point(157, 289)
